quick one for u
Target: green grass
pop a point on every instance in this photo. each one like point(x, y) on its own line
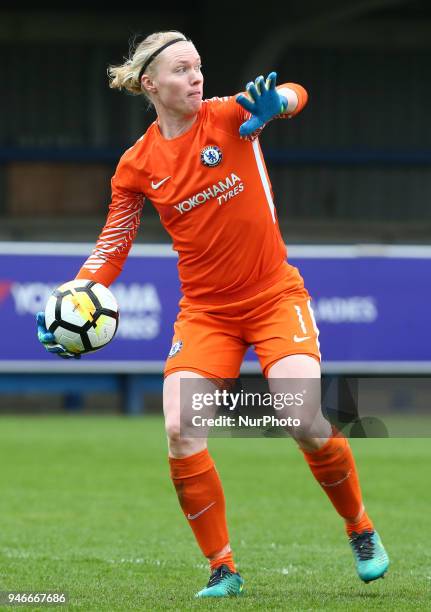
point(87, 507)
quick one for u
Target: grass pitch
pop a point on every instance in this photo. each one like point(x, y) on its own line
point(87, 507)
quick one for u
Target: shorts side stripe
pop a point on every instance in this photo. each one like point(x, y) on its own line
point(316, 329)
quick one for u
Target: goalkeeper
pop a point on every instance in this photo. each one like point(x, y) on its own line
point(201, 166)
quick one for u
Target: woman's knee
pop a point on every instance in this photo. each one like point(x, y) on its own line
point(177, 408)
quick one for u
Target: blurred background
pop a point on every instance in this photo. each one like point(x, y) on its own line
point(86, 502)
point(352, 170)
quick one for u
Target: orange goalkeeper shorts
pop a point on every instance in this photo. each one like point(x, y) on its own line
point(212, 340)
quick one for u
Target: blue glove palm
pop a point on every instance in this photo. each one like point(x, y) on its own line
point(265, 103)
point(48, 340)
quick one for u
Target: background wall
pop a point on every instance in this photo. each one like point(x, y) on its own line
point(353, 166)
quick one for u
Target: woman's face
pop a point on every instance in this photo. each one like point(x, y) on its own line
point(178, 80)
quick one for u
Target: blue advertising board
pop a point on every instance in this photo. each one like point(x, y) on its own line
point(369, 318)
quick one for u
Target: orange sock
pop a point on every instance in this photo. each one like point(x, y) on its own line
point(201, 497)
point(226, 559)
point(334, 468)
point(364, 524)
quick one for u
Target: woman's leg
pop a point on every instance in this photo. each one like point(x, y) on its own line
point(329, 457)
point(331, 461)
point(193, 472)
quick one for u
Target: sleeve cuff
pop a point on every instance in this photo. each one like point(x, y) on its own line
point(105, 275)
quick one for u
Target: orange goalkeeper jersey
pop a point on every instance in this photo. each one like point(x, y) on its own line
point(214, 197)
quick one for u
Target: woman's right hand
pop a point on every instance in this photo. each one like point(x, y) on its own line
point(47, 338)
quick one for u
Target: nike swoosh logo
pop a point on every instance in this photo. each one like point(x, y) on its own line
point(192, 517)
point(300, 338)
point(160, 183)
point(334, 484)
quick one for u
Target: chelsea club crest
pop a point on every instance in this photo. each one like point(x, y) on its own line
point(175, 348)
point(211, 156)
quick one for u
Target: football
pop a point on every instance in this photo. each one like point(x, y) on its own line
point(83, 315)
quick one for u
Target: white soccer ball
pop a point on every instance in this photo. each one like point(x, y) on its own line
point(83, 315)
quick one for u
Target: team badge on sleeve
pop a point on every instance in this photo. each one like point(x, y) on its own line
point(211, 156)
point(175, 348)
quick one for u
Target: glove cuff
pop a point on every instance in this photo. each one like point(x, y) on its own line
point(257, 132)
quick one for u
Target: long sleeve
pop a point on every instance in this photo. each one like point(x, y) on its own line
point(115, 240)
point(297, 98)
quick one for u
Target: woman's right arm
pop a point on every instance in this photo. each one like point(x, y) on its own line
point(115, 240)
point(107, 259)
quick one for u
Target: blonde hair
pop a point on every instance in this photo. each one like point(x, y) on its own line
point(126, 76)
